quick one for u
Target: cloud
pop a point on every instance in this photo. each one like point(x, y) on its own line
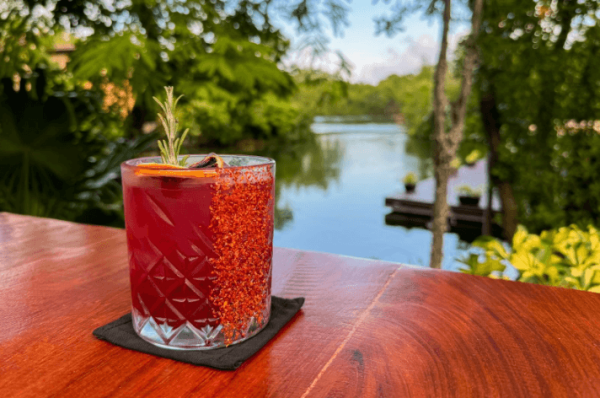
point(307, 59)
point(370, 68)
point(422, 51)
point(328, 61)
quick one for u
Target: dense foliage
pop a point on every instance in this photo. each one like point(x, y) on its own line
point(54, 161)
point(540, 69)
point(223, 56)
point(64, 131)
point(567, 257)
point(221, 59)
point(59, 155)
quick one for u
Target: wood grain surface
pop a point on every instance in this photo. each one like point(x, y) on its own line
point(368, 328)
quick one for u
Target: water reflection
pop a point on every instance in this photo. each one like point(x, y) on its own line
point(330, 192)
point(423, 150)
point(310, 164)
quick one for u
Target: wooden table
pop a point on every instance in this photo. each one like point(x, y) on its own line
point(368, 328)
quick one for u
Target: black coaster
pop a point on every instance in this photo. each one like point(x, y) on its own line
point(121, 333)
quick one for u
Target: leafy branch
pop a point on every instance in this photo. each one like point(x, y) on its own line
point(169, 148)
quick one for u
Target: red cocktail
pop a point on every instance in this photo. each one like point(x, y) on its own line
point(200, 247)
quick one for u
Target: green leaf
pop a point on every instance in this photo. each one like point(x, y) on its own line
point(594, 289)
point(587, 277)
point(170, 148)
point(183, 162)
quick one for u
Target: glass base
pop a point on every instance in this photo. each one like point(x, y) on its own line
point(188, 337)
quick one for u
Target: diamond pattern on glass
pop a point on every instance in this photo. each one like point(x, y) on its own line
point(185, 285)
point(158, 210)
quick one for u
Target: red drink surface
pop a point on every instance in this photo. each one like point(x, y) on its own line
point(186, 261)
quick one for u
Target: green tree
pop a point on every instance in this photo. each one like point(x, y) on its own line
point(540, 64)
point(320, 93)
point(224, 56)
point(222, 60)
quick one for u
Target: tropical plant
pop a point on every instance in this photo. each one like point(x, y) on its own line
point(566, 257)
point(224, 56)
point(226, 74)
point(53, 160)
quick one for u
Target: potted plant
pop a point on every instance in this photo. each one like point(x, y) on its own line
point(473, 157)
point(410, 182)
point(469, 196)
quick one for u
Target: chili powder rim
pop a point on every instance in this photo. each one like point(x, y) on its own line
point(132, 164)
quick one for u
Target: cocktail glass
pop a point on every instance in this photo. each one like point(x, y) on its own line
point(200, 245)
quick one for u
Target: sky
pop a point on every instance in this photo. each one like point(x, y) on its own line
point(376, 57)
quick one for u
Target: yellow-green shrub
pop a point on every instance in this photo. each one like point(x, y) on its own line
point(567, 257)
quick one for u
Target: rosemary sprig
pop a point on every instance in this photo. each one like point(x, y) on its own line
point(169, 148)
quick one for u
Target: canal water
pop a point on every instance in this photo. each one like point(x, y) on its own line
point(331, 193)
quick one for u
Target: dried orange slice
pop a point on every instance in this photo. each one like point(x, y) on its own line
point(212, 160)
point(167, 170)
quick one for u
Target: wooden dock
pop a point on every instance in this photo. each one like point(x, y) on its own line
point(416, 209)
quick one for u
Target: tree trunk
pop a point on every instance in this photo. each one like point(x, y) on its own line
point(440, 213)
point(553, 77)
point(492, 125)
point(509, 210)
point(446, 144)
point(440, 101)
point(137, 117)
point(488, 219)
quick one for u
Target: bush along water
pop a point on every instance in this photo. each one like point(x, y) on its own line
point(566, 257)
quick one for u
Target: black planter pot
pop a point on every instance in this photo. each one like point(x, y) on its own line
point(410, 188)
point(469, 200)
